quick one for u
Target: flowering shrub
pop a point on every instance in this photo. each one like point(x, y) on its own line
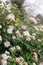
point(21, 38)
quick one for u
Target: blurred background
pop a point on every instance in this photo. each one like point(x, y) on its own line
point(34, 8)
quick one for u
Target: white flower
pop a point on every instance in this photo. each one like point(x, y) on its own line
point(4, 56)
point(10, 57)
point(3, 62)
point(0, 38)
point(35, 56)
point(11, 16)
point(34, 34)
point(28, 38)
point(37, 29)
point(12, 49)
point(33, 20)
point(26, 33)
point(0, 26)
point(6, 43)
point(19, 59)
point(9, 31)
point(41, 63)
point(18, 47)
point(34, 63)
point(13, 37)
point(41, 29)
point(18, 33)
point(25, 63)
point(33, 37)
point(6, 52)
point(11, 27)
point(39, 40)
point(21, 63)
point(41, 26)
point(24, 27)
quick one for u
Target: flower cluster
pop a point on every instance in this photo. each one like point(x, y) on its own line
point(21, 38)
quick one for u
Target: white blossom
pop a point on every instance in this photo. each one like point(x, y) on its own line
point(28, 38)
point(26, 33)
point(19, 59)
point(34, 34)
point(21, 63)
point(41, 29)
point(13, 37)
point(0, 26)
point(33, 20)
point(39, 40)
point(36, 28)
point(35, 56)
point(18, 33)
point(24, 27)
point(4, 56)
point(3, 62)
point(9, 31)
point(34, 63)
point(6, 43)
point(7, 52)
point(18, 47)
point(25, 63)
point(11, 27)
point(41, 63)
point(12, 49)
point(33, 37)
point(11, 16)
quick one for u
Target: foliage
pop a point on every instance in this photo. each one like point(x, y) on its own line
point(21, 37)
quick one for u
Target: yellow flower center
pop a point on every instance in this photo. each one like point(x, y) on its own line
point(16, 22)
